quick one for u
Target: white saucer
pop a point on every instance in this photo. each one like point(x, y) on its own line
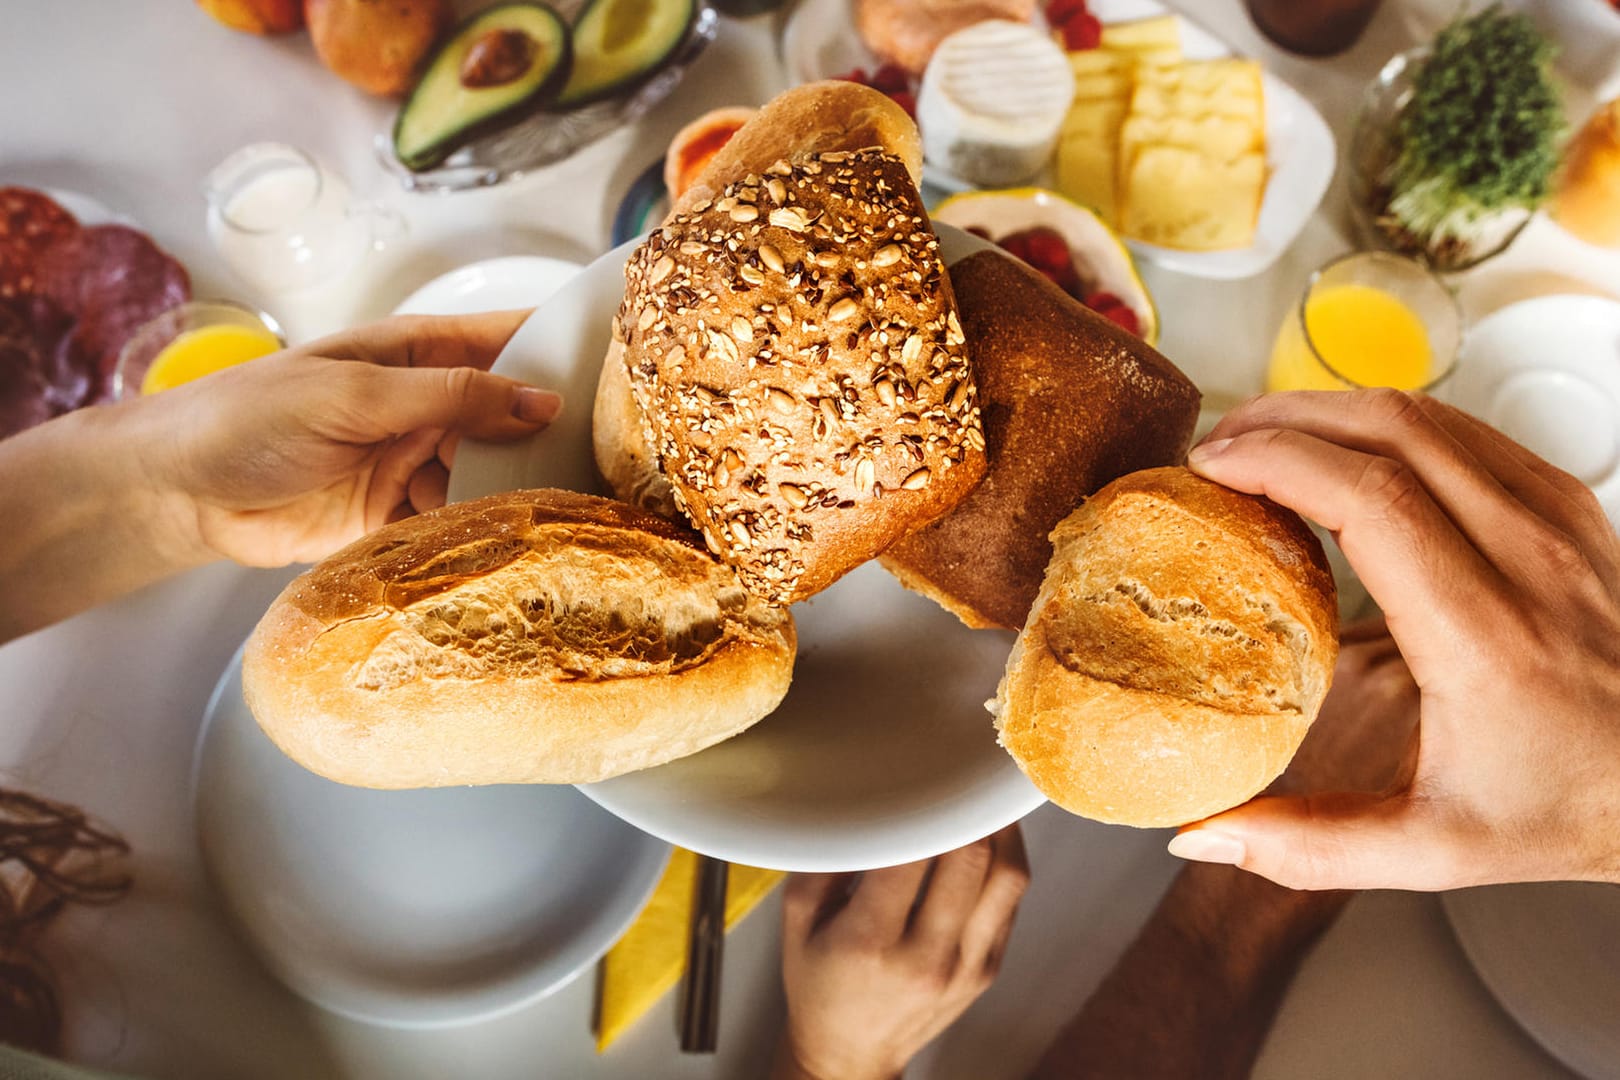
point(515, 281)
point(1547, 372)
point(410, 909)
point(1548, 952)
point(881, 753)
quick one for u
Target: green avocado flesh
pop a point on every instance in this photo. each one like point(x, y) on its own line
point(443, 113)
point(618, 43)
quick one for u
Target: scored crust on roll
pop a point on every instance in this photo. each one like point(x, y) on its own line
point(1069, 401)
point(798, 367)
point(529, 637)
point(1182, 643)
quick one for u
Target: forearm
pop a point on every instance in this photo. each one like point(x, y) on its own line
point(1196, 992)
point(83, 520)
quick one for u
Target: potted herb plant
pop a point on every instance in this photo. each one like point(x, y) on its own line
point(1457, 142)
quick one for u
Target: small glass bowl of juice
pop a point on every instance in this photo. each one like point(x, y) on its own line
point(1369, 319)
point(191, 340)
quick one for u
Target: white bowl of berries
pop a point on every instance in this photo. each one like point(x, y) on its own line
point(1064, 241)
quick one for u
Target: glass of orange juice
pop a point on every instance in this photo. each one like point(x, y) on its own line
point(191, 340)
point(1368, 319)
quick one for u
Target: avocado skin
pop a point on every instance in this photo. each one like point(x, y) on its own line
point(643, 71)
point(532, 101)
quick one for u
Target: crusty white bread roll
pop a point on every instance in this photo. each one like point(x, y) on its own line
point(1181, 645)
point(1069, 402)
point(830, 116)
point(797, 364)
point(529, 637)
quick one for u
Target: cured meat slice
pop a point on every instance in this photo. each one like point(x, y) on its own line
point(30, 222)
point(112, 279)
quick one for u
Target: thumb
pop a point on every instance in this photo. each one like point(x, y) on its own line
point(462, 400)
point(1336, 841)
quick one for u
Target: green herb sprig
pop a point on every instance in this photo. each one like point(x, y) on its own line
point(1480, 133)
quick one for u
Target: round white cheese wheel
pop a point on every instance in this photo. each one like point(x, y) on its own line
point(992, 102)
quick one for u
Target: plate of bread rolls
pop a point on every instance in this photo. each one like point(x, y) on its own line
point(794, 529)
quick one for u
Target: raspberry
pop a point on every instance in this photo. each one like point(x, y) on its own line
point(1082, 31)
point(1049, 251)
point(891, 78)
point(907, 101)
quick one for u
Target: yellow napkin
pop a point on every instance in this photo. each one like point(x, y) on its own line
point(649, 959)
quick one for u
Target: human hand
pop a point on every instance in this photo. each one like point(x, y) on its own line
point(290, 457)
point(1500, 579)
point(1362, 738)
point(872, 975)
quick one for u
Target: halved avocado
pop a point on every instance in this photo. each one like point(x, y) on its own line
point(620, 43)
point(497, 67)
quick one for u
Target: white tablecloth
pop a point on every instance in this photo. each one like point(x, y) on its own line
point(131, 102)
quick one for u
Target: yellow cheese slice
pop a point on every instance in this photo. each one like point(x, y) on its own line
point(1099, 62)
point(1155, 58)
point(1220, 137)
point(1095, 118)
point(1086, 169)
point(647, 962)
point(1180, 198)
point(1103, 86)
point(1159, 32)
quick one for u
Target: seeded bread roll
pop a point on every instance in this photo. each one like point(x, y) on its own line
point(529, 637)
point(1182, 643)
point(829, 116)
point(1070, 401)
point(623, 457)
point(798, 367)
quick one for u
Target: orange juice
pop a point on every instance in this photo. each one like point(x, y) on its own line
point(205, 350)
point(1367, 335)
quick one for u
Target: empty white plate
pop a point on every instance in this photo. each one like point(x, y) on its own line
point(409, 908)
point(1547, 372)
point(515, 281)
point(882, 751)
point(1547, 951)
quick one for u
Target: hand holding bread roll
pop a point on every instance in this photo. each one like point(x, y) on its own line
point(1182, 643)
point(1069, 402)
point(529, 637)
point(796, 360)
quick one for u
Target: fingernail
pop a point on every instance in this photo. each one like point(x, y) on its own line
point(1204, 451)
point(535, 406)
point(1203, 845)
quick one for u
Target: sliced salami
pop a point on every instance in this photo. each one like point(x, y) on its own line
point(111, 279)
point(30, 223)
point(25, 390)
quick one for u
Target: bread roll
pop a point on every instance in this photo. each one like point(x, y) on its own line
point(1070, 401)
point(798, 368)
point(529, 637)
point(1183, 640)
point(626, 462)
point(830, 116)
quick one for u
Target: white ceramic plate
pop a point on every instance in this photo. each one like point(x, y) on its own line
point(411, 909)
point(1547, 372)
point(516, 281)
point(882, 752)
point(1547, 952)
point(819, 40)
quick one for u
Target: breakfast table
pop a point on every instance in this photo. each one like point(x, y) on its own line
point(131, 103)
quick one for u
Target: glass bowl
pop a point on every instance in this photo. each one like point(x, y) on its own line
point(156, 334)
point(1372, 152)
point(549, 137)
